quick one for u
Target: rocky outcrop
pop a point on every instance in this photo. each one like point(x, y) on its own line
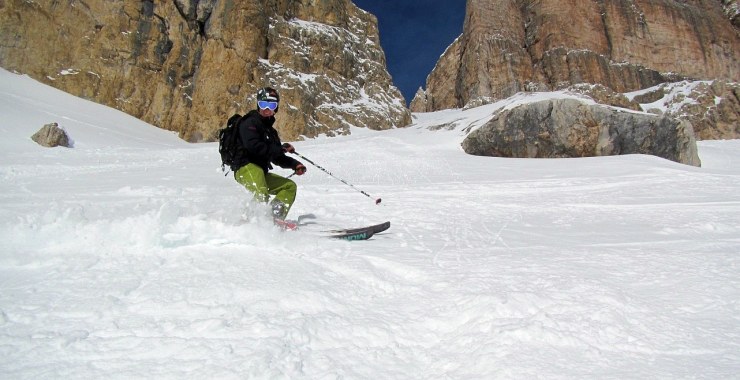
point(442, 82)
point(419, 103)
point(570, 128)
point(51, 135)
point(716, 113)
point(509, 46)
point(713, 108)
point(186, 65)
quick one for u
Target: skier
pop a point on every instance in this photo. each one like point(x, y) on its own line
point(261, 146)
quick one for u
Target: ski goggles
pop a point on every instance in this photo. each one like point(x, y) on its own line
point(262, 104)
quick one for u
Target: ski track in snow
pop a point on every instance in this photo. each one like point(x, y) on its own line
point(132, 260)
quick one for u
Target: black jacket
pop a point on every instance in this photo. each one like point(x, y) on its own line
point(261, 143)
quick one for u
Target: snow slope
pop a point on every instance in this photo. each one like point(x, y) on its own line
point(127, 256)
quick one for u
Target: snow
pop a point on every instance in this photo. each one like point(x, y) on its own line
point(469, 119)
point(127, 257)
point(317, 27)
point(677, 95)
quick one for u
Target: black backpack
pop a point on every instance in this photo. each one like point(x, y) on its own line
point(229, 143)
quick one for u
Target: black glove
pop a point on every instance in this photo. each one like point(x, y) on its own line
point(300, 169)
point(287, 148)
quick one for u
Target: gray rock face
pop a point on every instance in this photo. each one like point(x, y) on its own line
point(569, 128)
point(50, 135)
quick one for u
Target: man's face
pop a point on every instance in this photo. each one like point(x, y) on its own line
point(266, 112)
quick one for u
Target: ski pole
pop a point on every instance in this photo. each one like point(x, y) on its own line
point(377, 201)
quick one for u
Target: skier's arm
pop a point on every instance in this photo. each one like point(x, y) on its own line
point(284, 161)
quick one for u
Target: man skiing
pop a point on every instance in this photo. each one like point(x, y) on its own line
point(261, 146)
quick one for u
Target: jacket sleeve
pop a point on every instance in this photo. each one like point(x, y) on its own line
point(283, 160)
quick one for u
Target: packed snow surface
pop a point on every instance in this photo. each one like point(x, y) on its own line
point(131, 255)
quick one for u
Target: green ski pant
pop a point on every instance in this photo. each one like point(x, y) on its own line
point(262, 185)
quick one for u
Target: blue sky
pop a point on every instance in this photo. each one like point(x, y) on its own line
point(413, 34)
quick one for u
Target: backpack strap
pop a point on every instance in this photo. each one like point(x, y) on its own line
point(234, 119)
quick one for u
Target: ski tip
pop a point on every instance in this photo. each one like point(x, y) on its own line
point(378, 228)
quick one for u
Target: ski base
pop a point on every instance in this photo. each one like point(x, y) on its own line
point(355, 234)
point(349, 234)
point(376, 228)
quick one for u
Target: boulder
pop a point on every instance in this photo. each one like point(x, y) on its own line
point(51, 135)
point(559, 128)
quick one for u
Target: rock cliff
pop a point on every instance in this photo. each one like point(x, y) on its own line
point(509, 46)
point(186, 65)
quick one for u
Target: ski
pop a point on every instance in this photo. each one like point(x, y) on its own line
point(350, 234)
point(355, 234)
point(376, 228)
